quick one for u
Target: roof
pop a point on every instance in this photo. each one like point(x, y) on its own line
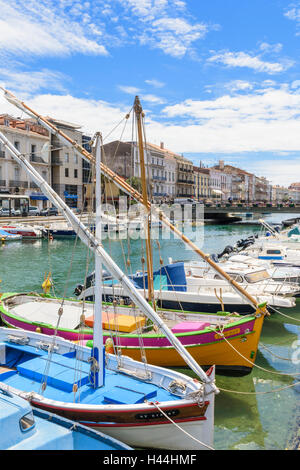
point(63, 123)
point(230, 167)
point(168, 152)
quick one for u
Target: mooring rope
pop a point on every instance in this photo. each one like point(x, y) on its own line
point(253, 363)
point(177, 426)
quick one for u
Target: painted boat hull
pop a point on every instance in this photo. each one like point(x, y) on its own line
point(134, 420)
point(191, 301)
point(206, 347)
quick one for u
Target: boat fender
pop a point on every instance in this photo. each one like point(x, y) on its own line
point(109, 346)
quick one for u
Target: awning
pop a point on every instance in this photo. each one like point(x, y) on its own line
point(217, 191)
point(70, 196)
point(38, 197)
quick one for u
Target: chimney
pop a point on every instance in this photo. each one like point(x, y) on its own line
point(161, 145)
point(221, 164)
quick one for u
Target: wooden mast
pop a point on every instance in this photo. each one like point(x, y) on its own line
point(129, 190)
point(139, 115)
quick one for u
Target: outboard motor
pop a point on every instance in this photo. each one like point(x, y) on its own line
point(227, 250)
point(246, 244)
point(78, 289)
point(214, 257)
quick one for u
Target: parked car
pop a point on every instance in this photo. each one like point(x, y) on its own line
point(49, 211)
point(32, 210)
point(4, 212)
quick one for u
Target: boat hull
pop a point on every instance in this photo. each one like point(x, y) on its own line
point(233, 350)
point(192, 410)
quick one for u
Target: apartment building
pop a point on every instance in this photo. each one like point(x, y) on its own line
point(66, 177)
point(171, 176)
point(279, 193)
point(202, 183)
point(241, 186)
point(262, 190)
point(161, 166)
point(32, 141)
point(185, 177)
point(294, 193)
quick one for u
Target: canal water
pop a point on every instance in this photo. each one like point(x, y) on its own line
point(257, 411)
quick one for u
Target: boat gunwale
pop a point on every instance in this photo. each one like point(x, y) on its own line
point(242, 319)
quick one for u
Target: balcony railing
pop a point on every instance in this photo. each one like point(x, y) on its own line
point(19, 184)
point(159, 178)
point(188, 170)
point(185, 181)
point(36, 159)
point(56, 161)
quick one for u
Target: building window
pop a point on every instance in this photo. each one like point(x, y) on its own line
point(66, 172)
point(66, 158)
point(75, 173)
point(17, 174)
point(33, 151)
point(17, 144)
point(44, 175)
point(76, 159)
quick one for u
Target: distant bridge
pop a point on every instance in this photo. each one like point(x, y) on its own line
point(251, 209)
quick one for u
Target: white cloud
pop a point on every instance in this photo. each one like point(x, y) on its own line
point(166, 26)
point(293, 14)
point(266, 47)
point(31, 81)
point(174, 36)
point(155, 83)
point(242, 59)
point(153, 99)
point(239, 85)
point(280, 171)
point(44, 30)
point(131, 90)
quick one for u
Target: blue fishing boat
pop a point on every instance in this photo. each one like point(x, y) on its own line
point(28, 428)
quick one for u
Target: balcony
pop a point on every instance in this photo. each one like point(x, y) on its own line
point(36, 159)
point(186, 170)
point(181, 181)
point(159, 178)
point(56, 161)
point(19, 184)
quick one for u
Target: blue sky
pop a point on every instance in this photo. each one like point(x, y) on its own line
point(218, 79)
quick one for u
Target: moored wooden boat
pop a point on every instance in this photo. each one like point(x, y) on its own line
point(137, 404)
point(210, 339)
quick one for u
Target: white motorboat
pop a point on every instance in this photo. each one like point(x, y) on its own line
point(174, 289)
point(257, 280)
point(25, 231)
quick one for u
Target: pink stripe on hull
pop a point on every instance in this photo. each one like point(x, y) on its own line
point(130, 341)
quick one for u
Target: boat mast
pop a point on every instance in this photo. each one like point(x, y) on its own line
point(88, 238)
point(139, 114)
point(97, 352)
point(120, 183)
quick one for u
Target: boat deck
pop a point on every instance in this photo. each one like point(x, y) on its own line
point(63, 372)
